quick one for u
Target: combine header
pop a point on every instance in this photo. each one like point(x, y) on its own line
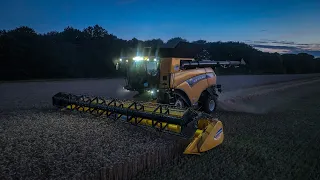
point(204, 132)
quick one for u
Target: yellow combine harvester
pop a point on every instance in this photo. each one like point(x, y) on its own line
point(181, 87)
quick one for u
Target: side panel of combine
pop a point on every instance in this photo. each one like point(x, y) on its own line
point(165, 71)
point(169, 66)
point(193, 82)
point(212, 78)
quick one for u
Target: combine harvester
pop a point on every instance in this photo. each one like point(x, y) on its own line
point(185, 92)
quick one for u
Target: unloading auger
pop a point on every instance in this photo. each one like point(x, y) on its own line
point(204, 131)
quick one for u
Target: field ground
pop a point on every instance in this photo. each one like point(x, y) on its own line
point(282, 144)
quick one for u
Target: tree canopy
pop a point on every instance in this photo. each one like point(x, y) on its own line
point(73, 53)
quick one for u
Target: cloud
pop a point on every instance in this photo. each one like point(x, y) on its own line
point(283, 42)
point(274, 50)
point(275, 47)
point(285, 47)
point(266, 41)
point(310, 47)
point(288, 49)
point(260, 42)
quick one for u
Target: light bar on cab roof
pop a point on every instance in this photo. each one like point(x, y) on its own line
point(138, 58)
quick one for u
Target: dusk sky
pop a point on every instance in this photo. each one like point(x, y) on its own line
point(270, 25)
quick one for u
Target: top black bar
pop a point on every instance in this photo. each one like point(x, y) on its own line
point(185, 64)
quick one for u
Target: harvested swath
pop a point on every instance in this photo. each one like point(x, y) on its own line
point(265, 98)
point(60, 145)
point(283, 144)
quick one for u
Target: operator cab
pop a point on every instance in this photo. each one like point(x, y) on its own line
point(145, 71)
point(141, 73)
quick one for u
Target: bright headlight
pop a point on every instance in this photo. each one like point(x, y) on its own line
point(138, 58)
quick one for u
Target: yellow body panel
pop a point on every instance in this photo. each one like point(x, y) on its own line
point(179, 81)
point(183, 75)
point(168, 66)
point(171, 76)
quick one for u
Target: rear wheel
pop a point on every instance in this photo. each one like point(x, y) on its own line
point(210, 103)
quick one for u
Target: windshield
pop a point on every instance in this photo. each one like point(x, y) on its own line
point(152, 68)
point(137, 66)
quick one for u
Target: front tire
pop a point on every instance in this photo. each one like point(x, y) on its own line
point(179, 103)
point(210, 103)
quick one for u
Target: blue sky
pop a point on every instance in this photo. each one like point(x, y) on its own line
point(266, 24)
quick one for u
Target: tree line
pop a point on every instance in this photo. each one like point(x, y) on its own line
point(89, 53)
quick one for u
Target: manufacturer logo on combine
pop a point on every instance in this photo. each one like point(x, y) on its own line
point(194, 80)
point(176, 67)
point(218, 134)
point(210, 75)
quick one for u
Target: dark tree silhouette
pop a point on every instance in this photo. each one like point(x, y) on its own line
point(73, 53)
point(174, 41)
point(203, 55)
